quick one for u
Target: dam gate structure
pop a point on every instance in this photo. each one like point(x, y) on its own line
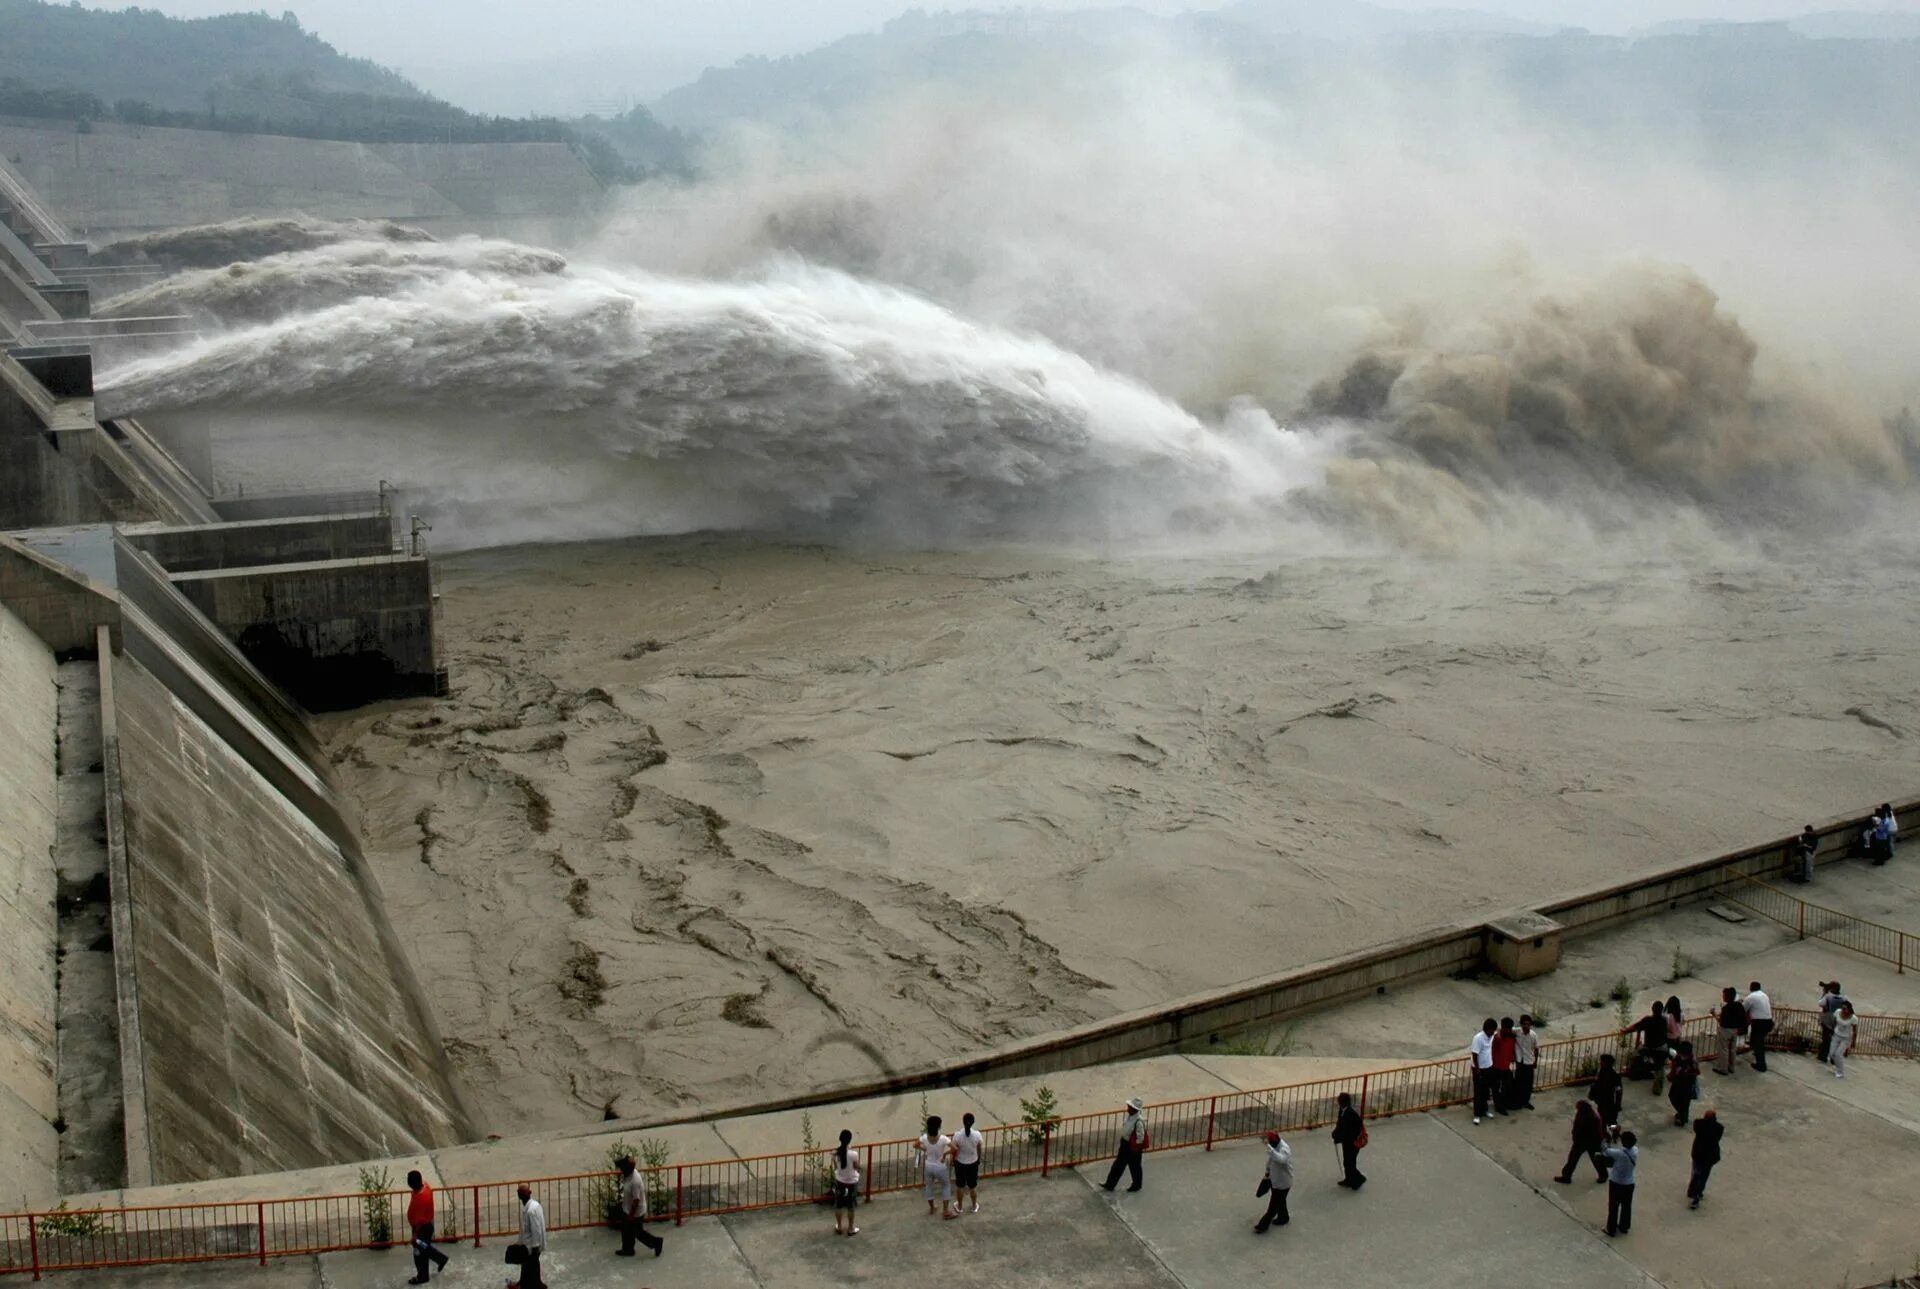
point(206, 982)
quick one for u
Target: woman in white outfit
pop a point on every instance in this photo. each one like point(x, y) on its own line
point(846, 1185)
point(967, 1145)
point(936, 1154)
point(1844, 1026)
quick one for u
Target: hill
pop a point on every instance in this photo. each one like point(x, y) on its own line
point(141, 54)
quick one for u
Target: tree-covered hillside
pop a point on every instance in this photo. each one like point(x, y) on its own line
point(142, 54)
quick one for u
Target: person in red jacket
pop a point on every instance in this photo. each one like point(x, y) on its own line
point(1506, 1050)
point(420, 1218)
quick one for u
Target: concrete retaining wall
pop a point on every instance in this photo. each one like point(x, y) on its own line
point(120, 178)
point(266, 541)
point(274, 1031)
point(59, 605)
point(333, 634)
point(29, 814)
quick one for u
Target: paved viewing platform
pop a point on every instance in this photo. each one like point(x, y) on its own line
point(1816, 1188)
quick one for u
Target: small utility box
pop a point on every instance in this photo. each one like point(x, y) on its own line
point(1523, 944)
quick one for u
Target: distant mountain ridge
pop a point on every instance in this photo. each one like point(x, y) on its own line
point(144, 55)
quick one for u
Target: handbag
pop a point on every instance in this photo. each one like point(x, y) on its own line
point(1360, 1142)
point(1266, 1184)
point(517, 1254)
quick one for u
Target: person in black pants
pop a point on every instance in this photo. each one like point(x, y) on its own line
point(1622, 1156)
point(1589, 1134)
point(1279, 1180)
point(1607, 1091)
point(633, 1212)
point(1707, 1132)
point(1133, 1142)
point(1347, 1131)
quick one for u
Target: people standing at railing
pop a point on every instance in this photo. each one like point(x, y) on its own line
point(1350, 1134)
point(1623, 1156)
point(1589, 1135)
point(1733, 1023)
point(1893, 826)
point(935, 1152)
point(846, 1185)
point(1133, 1144)
point(633, 1212)
point(1883, 834)
point(1683, 1084)
point(1844, 1026)
point(1652, 1056)
point(1481, 1050)
point(1504, 1055)
point(1607, 1090)
point(1759, 1023)
point(1526, 1063)
point(1275, 1185)
point(967, 1145)
point(1676, 1019)
point(533, 1238)
point(420, 1222)
point(1831, 1000)
point(1805, 851)
point(1707, 1132)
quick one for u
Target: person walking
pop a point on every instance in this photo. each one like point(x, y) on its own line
point(967, 1145)
point(533, 1238)
point(1652, 1056)
point(1683, 1083)
point(1759, 1009)
point(1607, 1090)
point(1350, 1134)
point(1133, 1144)
point(1276, 1184)
point(1526, 1063)
point(1830, 1001)
point(1622, 1156)
point(1806, 848)
point(633, 1212)
point(1589, 1134)
point(1707, 1132)
point(1733, 1023)
point(1481, 1052)
point(1844, 1026)
point(420, 1222)
point(935, 1152)
point(846, 1185)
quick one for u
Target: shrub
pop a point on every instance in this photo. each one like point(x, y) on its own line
point(1038, 1112)
point(376, 1205)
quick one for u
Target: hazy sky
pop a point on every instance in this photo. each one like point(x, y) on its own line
point(627, 47)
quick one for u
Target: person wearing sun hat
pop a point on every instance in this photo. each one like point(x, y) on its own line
point(1133, 1144)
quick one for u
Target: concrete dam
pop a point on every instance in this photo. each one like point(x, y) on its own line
point(205, 983)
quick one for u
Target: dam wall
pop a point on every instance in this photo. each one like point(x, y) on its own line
point(265, 541)
point(332, 633)
point(117, 179)
point(29, 814)
point(269, 1027)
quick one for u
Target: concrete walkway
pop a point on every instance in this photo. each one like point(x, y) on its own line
point(1828, 1169)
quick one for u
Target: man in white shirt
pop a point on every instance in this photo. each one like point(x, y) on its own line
point(1526, 1055)
point(1482, 1052)
point(1759, 1023)
point(533, 1234)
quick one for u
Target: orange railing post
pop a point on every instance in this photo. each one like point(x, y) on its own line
point(260, 1222)
point(476, 1217)
point(1365, 1079)
point(1801, 929)
point(1046, 1147)
point(1213, 1104)
point(33, 1243)
point(679, 1194)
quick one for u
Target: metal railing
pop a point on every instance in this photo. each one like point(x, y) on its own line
point(64, 1240)
point(1817, 922)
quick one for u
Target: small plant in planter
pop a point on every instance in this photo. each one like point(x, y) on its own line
point(377, 1206)
point(1038, 1113)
